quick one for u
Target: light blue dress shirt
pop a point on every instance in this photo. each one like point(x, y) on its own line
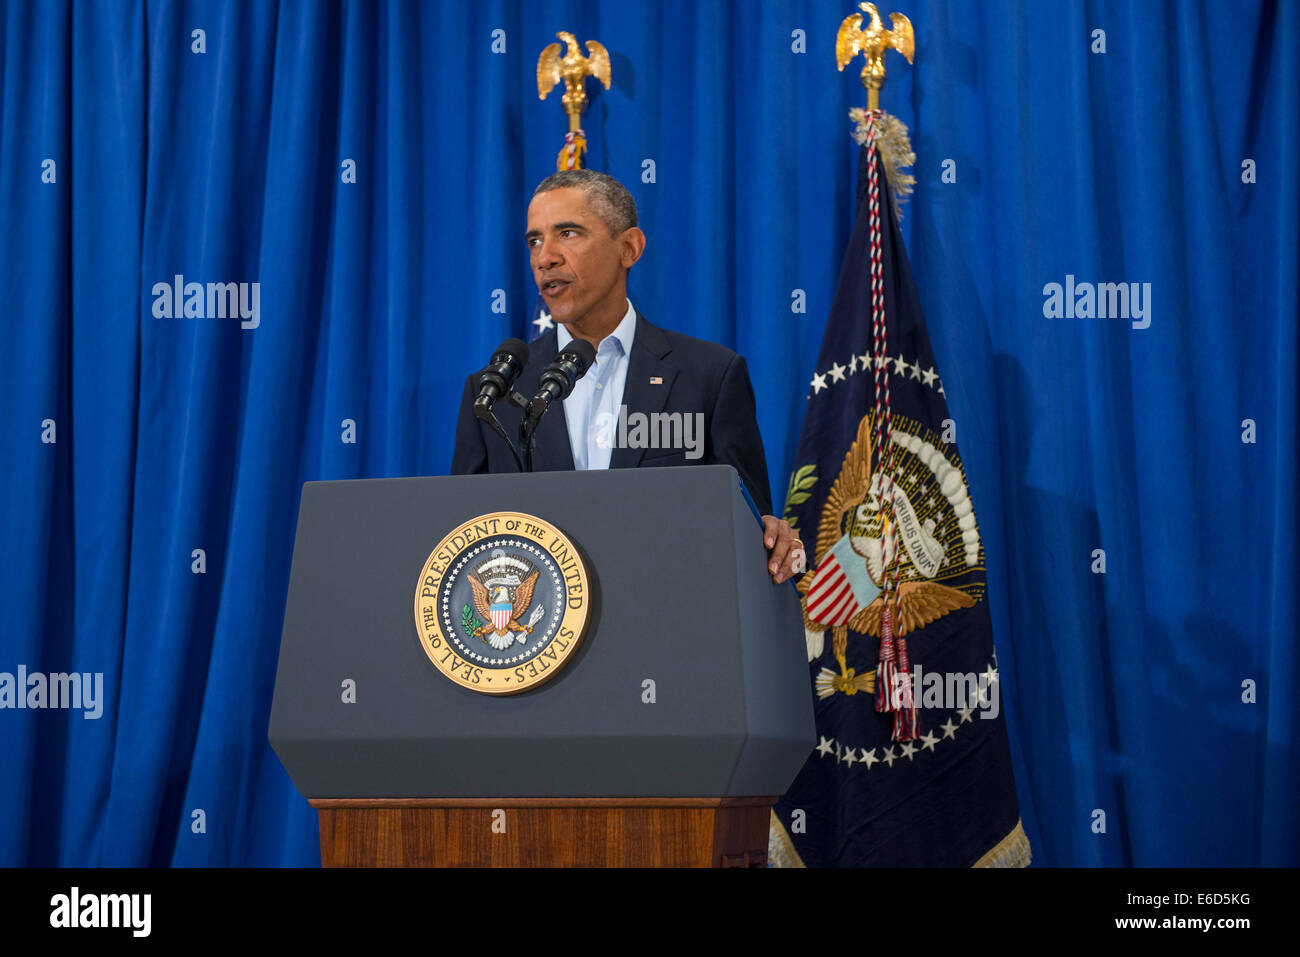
point(591, 410)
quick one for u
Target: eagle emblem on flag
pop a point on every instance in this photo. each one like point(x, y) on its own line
point(938, 540)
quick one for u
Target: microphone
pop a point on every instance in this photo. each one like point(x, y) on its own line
point(556, 382)
point(496, 379)
point(495, 382)
point(558, 379)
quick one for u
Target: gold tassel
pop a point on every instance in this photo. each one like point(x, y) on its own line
point(567, 160)
point(895, 153)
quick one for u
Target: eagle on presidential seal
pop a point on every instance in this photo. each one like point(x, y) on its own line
point(935, 524)
point(503, 590)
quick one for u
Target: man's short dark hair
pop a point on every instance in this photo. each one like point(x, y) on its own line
point(607, 197)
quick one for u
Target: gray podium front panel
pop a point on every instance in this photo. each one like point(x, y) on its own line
point(681, 597)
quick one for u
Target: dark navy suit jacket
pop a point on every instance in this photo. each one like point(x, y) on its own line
point(697, 376)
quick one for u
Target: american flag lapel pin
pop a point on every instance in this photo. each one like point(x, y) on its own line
point(656, 380)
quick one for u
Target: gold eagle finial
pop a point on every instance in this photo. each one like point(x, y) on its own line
point(573, 68)
point(873, 42)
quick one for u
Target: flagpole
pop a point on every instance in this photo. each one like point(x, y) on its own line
point(873, 42)
point(860, 486)
point(894, 691)
point(565, 63)
point(573, 68)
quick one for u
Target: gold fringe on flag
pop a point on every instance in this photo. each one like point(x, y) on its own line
point(780, 849)
point(895, 147)
point(1012, 851)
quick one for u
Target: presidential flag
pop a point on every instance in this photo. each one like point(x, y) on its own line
point(540, 321)
point(912, 765)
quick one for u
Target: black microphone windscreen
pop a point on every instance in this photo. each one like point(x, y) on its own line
point(585, 352)
point(517, 349)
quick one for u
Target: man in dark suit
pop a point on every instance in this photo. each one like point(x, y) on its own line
point(582, 239)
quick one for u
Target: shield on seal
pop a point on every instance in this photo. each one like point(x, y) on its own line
point(500, 614)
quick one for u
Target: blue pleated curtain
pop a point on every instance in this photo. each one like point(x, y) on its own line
point(1135, 487)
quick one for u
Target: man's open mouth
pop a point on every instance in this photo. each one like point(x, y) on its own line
point(554, 287)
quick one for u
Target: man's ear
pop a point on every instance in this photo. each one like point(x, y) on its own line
point(631, 246)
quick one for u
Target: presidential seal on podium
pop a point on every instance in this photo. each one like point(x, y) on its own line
point(502, 603)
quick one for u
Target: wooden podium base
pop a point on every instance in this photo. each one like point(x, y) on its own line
point(544, 832)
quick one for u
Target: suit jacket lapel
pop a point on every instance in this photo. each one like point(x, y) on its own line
point(648, 362)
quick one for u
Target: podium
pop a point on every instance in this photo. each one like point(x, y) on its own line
point(664, 739)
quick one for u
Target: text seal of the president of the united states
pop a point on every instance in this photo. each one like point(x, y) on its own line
point(502, 603)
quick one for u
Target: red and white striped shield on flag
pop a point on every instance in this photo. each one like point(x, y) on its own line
point(830, 596)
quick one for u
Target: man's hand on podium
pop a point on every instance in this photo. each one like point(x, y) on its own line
point(786, 556)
